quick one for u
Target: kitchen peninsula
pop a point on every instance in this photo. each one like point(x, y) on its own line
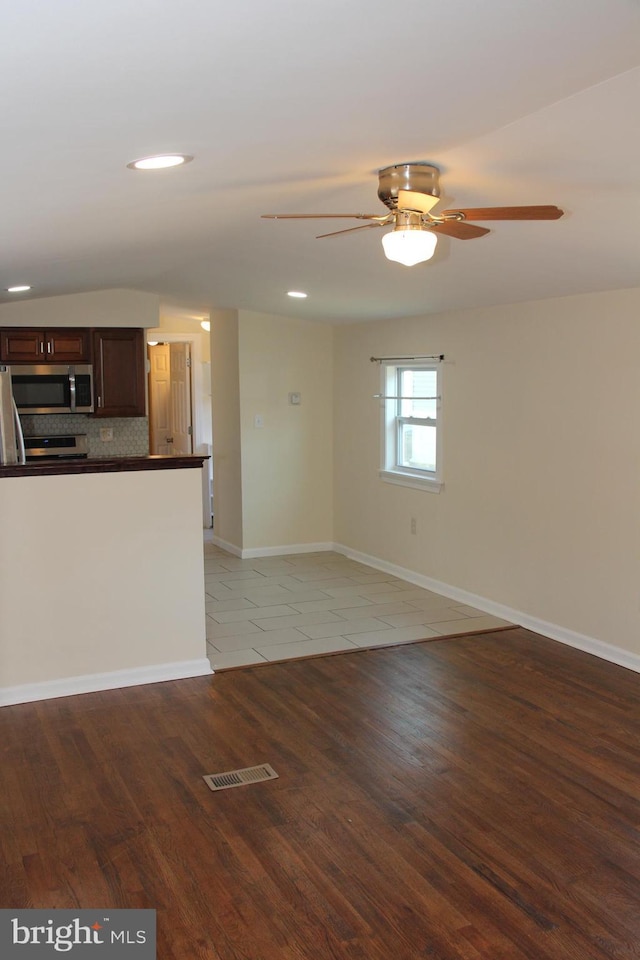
point(102, 576)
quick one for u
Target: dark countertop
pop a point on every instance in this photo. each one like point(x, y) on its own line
point(46, 468)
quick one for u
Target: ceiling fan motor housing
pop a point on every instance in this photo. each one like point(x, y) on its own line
point(417, 177)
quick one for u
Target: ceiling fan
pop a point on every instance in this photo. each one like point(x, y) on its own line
point(410, 191)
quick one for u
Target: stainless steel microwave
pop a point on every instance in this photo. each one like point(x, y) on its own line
point(53, 387)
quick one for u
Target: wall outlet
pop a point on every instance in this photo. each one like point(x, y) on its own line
point(414, 525)
point(106, 434)
point(295, 399)
point(258, 421)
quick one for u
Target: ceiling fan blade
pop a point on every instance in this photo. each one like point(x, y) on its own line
point(364, 226)
point(324, 216)
point(411, 200)
point(459, 229)
point(508, 213)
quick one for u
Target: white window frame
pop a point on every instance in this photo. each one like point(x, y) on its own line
point(391, 471)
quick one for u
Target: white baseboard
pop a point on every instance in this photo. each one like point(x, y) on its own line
point(606, 651)
point(91, 683)
point(253, 553)
point(290, 548)
point(224, 545)
point(598, 648)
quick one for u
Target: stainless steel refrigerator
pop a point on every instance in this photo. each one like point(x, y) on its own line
point(11, 437)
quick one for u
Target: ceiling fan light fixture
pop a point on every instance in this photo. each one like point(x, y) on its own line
point(409, 246)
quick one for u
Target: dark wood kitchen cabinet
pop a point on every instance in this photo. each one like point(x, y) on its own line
point(26, 345)
point(119, 372)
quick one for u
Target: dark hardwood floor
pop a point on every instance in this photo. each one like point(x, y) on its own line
point(475, 798)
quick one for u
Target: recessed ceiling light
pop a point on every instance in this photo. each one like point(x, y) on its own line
point(206, 325)
point(297, 293)
point(18, 289)
point(160, 162)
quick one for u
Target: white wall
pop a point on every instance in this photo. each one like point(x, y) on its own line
point(176, 320)
point(273, 485)
point(99, 308)
point(287, 464)
point(101, 573)
point(540, 509)
point(225, 406)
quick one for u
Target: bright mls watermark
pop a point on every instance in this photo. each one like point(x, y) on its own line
point(101, 934)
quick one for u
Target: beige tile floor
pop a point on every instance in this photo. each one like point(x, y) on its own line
point(293, 606)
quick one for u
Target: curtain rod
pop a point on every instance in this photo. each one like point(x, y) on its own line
point(439, 356)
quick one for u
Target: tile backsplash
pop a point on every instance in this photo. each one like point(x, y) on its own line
point(130, 434)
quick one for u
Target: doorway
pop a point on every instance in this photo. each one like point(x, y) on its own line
point(179, 390)
point(170, 399)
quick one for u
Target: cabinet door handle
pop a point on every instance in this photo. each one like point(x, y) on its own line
point(49, 346)
point(169, 440)
point(99, 401)
point(42, 346)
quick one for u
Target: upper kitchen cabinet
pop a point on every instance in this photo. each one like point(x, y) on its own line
point(119, 372)
point(24, 345)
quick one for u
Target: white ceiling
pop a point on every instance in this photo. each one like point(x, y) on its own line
point(293, 106)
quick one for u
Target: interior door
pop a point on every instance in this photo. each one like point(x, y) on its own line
point(170, 410)
point(181, 425)
point(159, 399)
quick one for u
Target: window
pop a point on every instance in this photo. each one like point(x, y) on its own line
point(411, 432)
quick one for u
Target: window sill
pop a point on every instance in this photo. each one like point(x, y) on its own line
point(410, 480)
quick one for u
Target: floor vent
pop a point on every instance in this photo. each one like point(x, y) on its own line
point(239, 778)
